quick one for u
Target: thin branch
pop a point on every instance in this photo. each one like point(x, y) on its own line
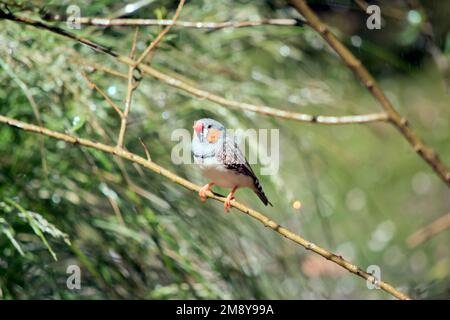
point(132, 85)
point(262, 109)
point(126, 22)
point(120, 152)
point(116, 209)
point(426, 28)
point(426, 233)
point(38, 24)
point(265, 110)
point(424, 151)
point(93, 86)
point(328, 120)
point(119, 161)
point(161, 34)
point(95, 66)
point(193, 187)
point(147, 154)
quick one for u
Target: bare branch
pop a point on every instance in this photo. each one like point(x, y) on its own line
point(93, 86)
point(130, 89)
point(96, 66)
point(198, 92)
point(426, 233)
point(41, 25)
point(265, 110)
point(106, 22)
point(426, 28)
point(424, 151)
point(428, 154)
point(145, 149)
point(193, 187)
point(161, 34)
point(262, 109)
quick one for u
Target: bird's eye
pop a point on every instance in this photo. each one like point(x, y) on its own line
point(210, 126)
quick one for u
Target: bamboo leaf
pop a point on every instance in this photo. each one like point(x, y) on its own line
point(40, 226)
point(8, 231)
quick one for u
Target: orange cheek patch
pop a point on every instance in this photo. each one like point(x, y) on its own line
point(213, 135)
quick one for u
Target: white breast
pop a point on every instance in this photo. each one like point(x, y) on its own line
point(219, 175)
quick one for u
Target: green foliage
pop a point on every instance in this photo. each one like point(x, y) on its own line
point(8, 231)
point(136, 235)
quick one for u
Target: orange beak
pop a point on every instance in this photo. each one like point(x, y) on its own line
point(198, 127)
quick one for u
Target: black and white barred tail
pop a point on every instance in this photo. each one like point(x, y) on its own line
point(260, 193)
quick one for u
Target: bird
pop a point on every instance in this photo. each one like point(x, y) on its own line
point(219, 158)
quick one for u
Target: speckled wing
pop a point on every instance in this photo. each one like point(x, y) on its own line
point(231, 156)
point(233, 159)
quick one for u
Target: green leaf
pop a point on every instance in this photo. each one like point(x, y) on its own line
point(8, 231)
point(120, 230)
point(40, 226)
point(49, 228)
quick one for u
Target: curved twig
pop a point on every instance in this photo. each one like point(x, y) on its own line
point(429, 231)
point(113, 150)
point(132, 85)
point(127, 22)
point(158, 39)
point(120, 152)
point(95, 87)
point(262, 109)
point(203, 94)
point(329, 120)
point(424, 151)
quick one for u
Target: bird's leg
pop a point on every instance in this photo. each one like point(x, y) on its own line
point(227, 202)
point(203, 190)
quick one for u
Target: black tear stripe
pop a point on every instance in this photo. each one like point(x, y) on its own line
point(204, 156)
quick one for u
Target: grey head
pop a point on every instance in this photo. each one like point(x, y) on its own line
point(208, 136)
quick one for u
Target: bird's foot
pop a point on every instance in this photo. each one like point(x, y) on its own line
point(203, 190)
point(227, 202)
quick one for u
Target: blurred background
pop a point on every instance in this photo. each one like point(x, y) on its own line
point(134, 234)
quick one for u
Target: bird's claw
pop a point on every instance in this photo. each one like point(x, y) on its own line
point(203, 190)
point(227, 203)
point(202, 194)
